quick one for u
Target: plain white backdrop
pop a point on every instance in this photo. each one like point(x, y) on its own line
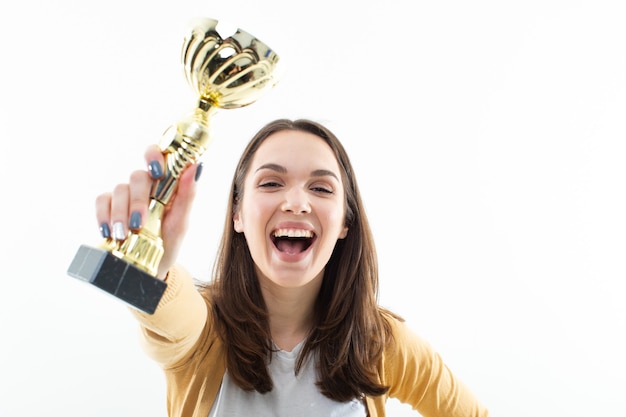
point(488, 139)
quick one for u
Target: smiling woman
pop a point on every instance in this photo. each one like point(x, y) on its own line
point(290, 323)
point(293, 186)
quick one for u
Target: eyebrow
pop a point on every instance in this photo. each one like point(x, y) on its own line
point(282, 170)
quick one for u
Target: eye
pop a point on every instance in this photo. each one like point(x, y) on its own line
point(322, 189)
point(269, 184)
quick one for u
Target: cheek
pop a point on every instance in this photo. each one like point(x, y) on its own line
point(252, 216)
point(336, 220)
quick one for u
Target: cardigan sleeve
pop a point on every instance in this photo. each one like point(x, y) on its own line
point(418, 376)
point(169, 335)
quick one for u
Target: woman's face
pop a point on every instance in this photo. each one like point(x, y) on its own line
point(292, 211)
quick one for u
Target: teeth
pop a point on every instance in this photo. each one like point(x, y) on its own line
point(293, 233)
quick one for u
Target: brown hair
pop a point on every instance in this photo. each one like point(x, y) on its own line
point(349, 332)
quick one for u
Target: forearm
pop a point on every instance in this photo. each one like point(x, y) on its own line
point(170, 333)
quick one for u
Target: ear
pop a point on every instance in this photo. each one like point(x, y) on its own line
point(344, 233)
point(237, 223)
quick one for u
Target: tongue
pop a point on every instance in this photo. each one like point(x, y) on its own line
point(290, 246)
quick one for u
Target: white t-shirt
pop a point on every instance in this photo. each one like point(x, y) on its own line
point(293, 395)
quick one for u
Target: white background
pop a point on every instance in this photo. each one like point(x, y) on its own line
point(487, 136)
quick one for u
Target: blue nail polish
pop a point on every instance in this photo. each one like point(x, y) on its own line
point(105, 231)
point(155, 169)
point(135, 220)
point(198, 171)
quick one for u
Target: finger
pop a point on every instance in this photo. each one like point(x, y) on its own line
point(103, 214)
point(139, 196)
point(119, 211)
point(182, 203)
point(175, 223)
point(155, 160)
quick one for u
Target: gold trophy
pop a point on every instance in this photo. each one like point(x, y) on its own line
point(226, 72)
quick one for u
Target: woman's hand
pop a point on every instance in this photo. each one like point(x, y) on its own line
point(126, 207)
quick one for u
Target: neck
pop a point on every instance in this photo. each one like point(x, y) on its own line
point(290, 312)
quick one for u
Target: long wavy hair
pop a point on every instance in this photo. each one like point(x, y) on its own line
point(349, 332)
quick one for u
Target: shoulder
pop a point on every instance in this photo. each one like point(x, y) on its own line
point(404, 348)
point(399, 331)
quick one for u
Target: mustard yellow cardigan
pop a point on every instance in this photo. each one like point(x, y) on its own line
point(180, 338)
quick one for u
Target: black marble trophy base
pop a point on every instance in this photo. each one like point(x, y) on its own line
point(117, 277)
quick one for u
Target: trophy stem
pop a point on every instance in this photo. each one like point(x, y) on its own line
point(182, 144)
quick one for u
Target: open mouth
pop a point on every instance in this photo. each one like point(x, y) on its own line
point(292, 241)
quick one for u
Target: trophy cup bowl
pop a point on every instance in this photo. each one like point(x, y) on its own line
point(226, 71)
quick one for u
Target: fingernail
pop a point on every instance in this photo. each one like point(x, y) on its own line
point(105, 231)
point(198, 171)
point(135, 220)
point(118, 231)
point(155, 169)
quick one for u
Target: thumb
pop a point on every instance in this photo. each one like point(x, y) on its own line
point(175, 221)
point(186, 192)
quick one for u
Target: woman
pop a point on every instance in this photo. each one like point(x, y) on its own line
point(289, 326)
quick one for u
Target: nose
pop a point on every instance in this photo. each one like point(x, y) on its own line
point(296, 201)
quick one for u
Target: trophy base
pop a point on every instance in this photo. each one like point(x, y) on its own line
point(118, 278)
